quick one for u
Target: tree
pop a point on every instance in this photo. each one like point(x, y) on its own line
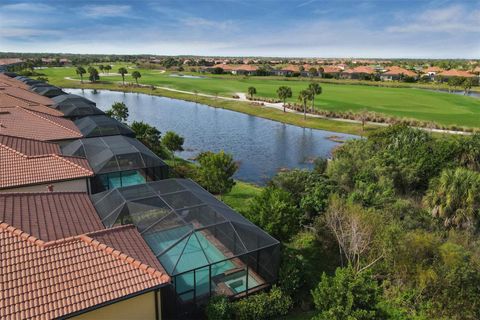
point(274, 210)
point(304, 96)
point(315, 89)
point(149, 136)
point(80, 71)
point(136, 75)
point(108, 68)
point(123, 71)
point(362, 116)
point(455, 197)
point(252, 91)
point(173, 142)
point(467, 84)
point(101, 67)
point(354, 229)
point(118, 111)
point(216, 172)
point(312, 71)
point(93, 74)
point(347, 296)
point(284, 93)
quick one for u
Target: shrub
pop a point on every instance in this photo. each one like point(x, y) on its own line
point(219, 308)
point(265, 305)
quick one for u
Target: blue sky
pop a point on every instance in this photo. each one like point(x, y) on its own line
point(282, 28)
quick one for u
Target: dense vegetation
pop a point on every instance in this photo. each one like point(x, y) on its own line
point(387, 230)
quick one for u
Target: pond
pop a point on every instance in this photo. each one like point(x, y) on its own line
point(186, 76)
point(261, 147)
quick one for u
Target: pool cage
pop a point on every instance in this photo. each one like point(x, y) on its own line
point(117, 161)
point(102, 125)
point(74, 107)
point(205, 246)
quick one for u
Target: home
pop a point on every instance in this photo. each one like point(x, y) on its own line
point(359, 73)
point(28, 165)
point(453, 73)
point(397, 73)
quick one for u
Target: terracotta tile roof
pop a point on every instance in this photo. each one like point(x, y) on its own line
point(20, 122)
point(130, 243)
point(477, 69)
point(432, 69)
point(7, 100)
point(360, 69)
point(6, 81)
point(19, 169)
point(45, 280)
point(27, 95)
point(29, 147)
point(456, 73)
point(398, 71)
point(331, 69)
point(50, 216)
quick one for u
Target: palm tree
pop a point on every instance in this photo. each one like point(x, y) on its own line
point(304, 96)
point(455, 197)
point(136, 75)
point(284, 93)
point(252, 91)
point(80, 71)
point(315, 88)
point(123, 72)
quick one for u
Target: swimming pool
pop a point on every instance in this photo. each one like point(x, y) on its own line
point(122, 179)
point(193, 252)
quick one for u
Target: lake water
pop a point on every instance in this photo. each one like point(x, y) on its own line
point(261, 147)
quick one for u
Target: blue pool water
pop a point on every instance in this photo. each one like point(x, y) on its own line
point(195, 251)
point(126, 179)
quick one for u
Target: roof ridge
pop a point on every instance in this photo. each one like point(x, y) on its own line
point(109, 230)
point(10, 193)
point(21, 234)
point(36, 114)
point(91, 242)
point(122, 256)
point(64, 158)
point(29, 102)
point(13, 150)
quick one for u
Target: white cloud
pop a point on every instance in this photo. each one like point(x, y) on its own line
point(451, 19)
point(197, 22)
point(27, 6)
point(100, 11)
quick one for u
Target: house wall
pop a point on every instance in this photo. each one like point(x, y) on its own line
point(139, 307)
point(78, 185)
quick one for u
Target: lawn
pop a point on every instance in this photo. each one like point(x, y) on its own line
point(443, 108)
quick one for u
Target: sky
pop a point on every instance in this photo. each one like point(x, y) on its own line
point(272, 28)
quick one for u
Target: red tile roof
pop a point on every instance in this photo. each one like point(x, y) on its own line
point(432, 69)
point(50, 216)
point(9, 61)
point(45, 280)
point(456, 73)
point(361, 69)
point(29, 147)
point(7, 100)
point(232, 67)
point(28, 96)
point(398, 71)
point(6, 81)
point(20, 122)
point(331, 69)
point(19, 169)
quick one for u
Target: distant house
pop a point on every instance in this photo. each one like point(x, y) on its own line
point(359, 73)
point(30, 166)
point(331, 72)
point(431, 72)
point(397, 73)
point(453, 73)
point(240, 69)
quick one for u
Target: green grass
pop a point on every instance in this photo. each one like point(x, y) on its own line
point(241, 195)
point(443, 108)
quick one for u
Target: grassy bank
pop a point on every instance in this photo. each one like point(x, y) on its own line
point(440, 107)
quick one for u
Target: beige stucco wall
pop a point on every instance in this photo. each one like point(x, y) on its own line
point(79, 185)
point(141, 307)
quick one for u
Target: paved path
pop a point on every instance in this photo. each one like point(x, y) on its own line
point(279, 106)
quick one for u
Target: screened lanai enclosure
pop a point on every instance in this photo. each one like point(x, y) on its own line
point(74, 107)
point(205, 246)
point(117, 161)
point(102, 125)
